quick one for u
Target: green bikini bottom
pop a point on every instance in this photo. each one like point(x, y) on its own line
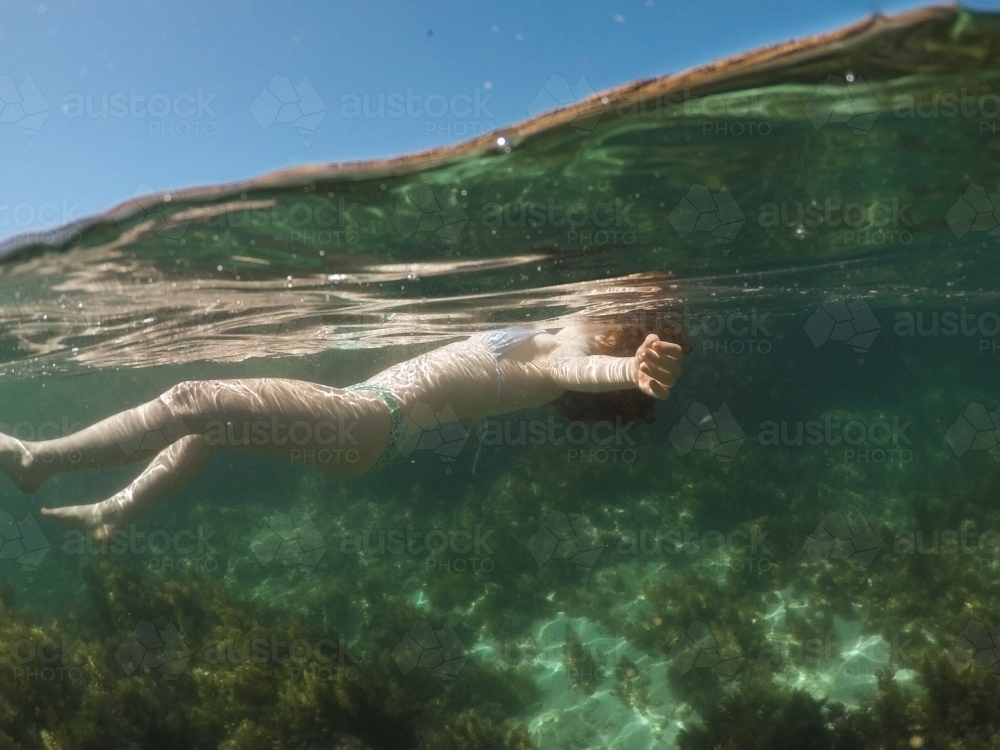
point(399, 429)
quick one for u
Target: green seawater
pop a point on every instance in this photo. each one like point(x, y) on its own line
point(802, 551)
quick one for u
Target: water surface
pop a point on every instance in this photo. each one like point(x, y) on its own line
point(799, 552)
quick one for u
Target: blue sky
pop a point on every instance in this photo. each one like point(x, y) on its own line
point(142, 96)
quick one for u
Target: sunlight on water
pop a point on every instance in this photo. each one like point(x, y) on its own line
point(804, 543)
point(774, 185)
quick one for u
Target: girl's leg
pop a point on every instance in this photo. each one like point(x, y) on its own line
point(342, 433)
point(173, 467)
point(127, 437)
point(291, 418)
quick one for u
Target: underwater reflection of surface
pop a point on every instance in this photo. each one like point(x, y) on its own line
point(641, 192)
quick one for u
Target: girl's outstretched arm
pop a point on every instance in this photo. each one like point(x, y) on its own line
point(653, 369)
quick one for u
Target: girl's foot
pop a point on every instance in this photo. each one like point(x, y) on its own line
point(15, 462)
point(100, 519)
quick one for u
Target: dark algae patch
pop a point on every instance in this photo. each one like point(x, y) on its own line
point(247, 680)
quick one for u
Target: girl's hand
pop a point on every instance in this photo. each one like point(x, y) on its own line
point(657, 366)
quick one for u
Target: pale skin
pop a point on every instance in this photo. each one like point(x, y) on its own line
point(178, 431)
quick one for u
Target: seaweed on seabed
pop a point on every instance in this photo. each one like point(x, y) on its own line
point(472, 730)
point(760, 716)
point(36, 695)
point(582, 669)
point(226, 698)
point(956, 709)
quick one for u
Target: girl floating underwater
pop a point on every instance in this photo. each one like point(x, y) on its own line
point(363, 425)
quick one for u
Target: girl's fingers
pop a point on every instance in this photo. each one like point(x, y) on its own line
point(657, 390)
point(670, 370)
point(649, 355)
point(658, 375)
point(662, 350)
point(659, 361)
point(668, 349)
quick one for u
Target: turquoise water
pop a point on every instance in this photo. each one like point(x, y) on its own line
point(801, 550)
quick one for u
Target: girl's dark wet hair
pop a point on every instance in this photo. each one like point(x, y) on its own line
point(624, 335)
